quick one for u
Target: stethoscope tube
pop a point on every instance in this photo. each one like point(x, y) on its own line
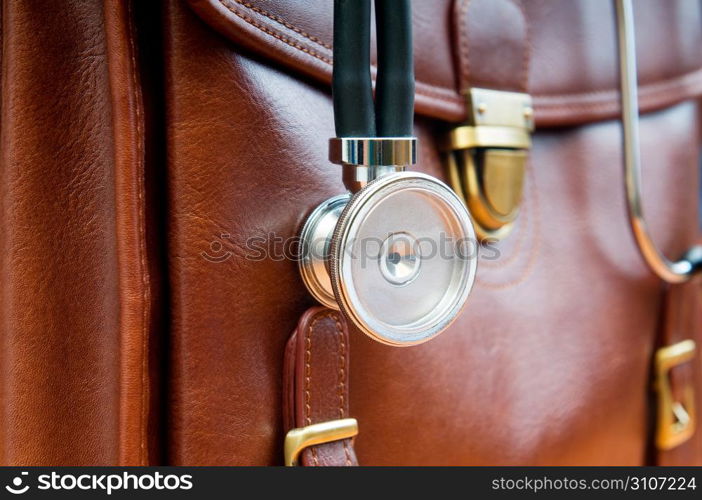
point(352, 91)
point(394, 93)
point(355, 113)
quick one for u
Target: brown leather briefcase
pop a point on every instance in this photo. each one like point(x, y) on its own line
point(146, 145)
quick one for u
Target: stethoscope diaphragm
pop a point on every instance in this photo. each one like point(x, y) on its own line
point(398, 258)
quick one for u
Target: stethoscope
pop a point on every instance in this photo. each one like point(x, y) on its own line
point(371, 252)
point(397, 254)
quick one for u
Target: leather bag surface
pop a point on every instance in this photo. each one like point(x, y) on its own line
point(144, 145)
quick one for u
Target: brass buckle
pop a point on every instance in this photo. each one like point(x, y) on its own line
point(676, 420)
point(297, 440)
point(487, 158)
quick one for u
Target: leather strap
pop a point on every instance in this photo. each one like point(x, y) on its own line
point(489, 58)
point(682, 320)
point(316, 382)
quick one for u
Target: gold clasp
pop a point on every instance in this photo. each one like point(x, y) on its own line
point(676, 420)
point(487, 158)
point(296, 440)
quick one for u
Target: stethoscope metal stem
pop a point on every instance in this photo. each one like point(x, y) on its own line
point(669, 271)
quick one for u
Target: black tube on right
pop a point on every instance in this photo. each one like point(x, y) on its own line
point(352, 91)
point(394, 91)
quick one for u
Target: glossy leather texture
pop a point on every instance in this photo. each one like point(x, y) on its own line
point(79, 297)
point(682, 320)
point(572, 44)
point(151, 151)
point(548, 364)
point(316, 382)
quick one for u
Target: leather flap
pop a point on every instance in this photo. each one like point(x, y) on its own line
point(569, 49)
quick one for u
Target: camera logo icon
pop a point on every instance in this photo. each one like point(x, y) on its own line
point(16, 487)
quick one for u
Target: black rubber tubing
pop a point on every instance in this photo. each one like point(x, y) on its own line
point(394, 91)
point(354, 114)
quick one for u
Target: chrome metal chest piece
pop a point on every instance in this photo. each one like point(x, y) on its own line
point(398, 257)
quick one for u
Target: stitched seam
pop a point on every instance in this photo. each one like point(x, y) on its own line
point(522, 226)
point(464, 45)
point(308, 376)
point(439, 93)
point(444, 93)
point(653, 88)
point(342, 379)
point(341, 375)
point(425, 89)
point(430, 90)
point(282, 22)
point(142, 233)
point(528, 49)
point(536, 242)
point(276, 35)
point(516, 249)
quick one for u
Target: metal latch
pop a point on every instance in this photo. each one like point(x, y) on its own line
point(297, 440)
point(487, 157)
point(676, 420)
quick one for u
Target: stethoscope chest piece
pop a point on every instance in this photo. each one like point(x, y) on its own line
point(398, 257)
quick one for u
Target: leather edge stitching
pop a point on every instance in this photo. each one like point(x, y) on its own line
point(282, 22)
point(308, 377)
point(434, 91)
point(342, 379)
point(142, 232)
point(275, 34)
